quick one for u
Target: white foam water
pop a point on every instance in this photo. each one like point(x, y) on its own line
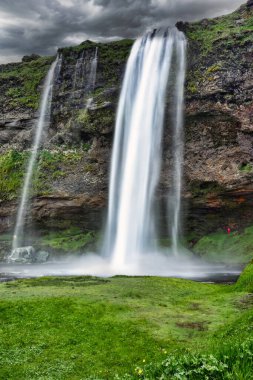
point(136, 157)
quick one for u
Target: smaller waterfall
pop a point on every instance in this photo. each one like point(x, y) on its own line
point(79, 74)
point(178, 144)
point(44, 118)
point(58, 67)
point(78, 77)
point(93, 71)
point(92, 78)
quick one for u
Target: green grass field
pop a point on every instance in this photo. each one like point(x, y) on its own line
point(149, 328)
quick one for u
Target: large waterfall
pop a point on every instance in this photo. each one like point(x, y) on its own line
point(44, 118)
point(135, 167)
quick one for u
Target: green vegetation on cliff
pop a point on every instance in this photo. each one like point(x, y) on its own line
point(69, 241)
point(117, 50)
point(112, 57)
point(151, 328)
point(95, 123)
point(22, 81)
point(237, 26)
point(51, 165)
point(215, 44)
point(245, 281)
point(12, 169)
point(233, 248)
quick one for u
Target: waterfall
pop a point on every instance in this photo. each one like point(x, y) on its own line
point(80, 73)
point(92, 78)
point(78, 76)
point(178, 145)
point(44, 118)
point(58, 67)
point(93, 71)
point(136, 154)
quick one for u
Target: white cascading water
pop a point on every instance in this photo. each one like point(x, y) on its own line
point(136, 155)
point(44, 118)
point(92, 78)
point(178, 146)
point(58, 67)
point(93, 71)
point(78, 76)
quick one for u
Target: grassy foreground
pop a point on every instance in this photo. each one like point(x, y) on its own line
point(150, 328)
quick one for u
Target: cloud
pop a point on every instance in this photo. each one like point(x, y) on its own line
point(31, 26)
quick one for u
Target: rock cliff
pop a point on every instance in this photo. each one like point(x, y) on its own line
point(71, 183)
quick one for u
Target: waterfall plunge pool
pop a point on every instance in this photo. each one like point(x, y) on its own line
point(158, 265)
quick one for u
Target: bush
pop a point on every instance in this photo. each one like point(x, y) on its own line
point(219, 366)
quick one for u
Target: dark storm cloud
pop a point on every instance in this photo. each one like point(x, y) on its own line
point(40, 26)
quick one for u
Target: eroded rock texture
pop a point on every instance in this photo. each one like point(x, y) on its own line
point(73, 169)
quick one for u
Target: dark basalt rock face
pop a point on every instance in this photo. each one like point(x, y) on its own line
point(219, 102)
point(218, 128)
point(182, 26)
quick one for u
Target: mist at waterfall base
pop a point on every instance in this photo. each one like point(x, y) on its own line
point(158, 264)
point(130, 245)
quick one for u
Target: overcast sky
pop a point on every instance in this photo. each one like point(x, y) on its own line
point(40, 26)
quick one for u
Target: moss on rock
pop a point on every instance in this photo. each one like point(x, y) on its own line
point(245, 281)
point(208, 33)
point(72, 240)
point(50, 166)
point(12, 169)
point(234, 248)
point(204, 189)
point(21, 82)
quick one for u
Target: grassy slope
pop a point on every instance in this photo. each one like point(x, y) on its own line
point(231, 249)
point(21, 81)
point(76, 327)
point(233, 28)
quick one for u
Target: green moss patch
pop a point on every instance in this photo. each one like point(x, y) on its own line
point(236, 26)
point(12, 169)
point(204, 189)
point(246, 168)
point(51, 165)
point(233, 248)
point(21, 82)
point(245, 281)
point(112, 58)
point(69, 241)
